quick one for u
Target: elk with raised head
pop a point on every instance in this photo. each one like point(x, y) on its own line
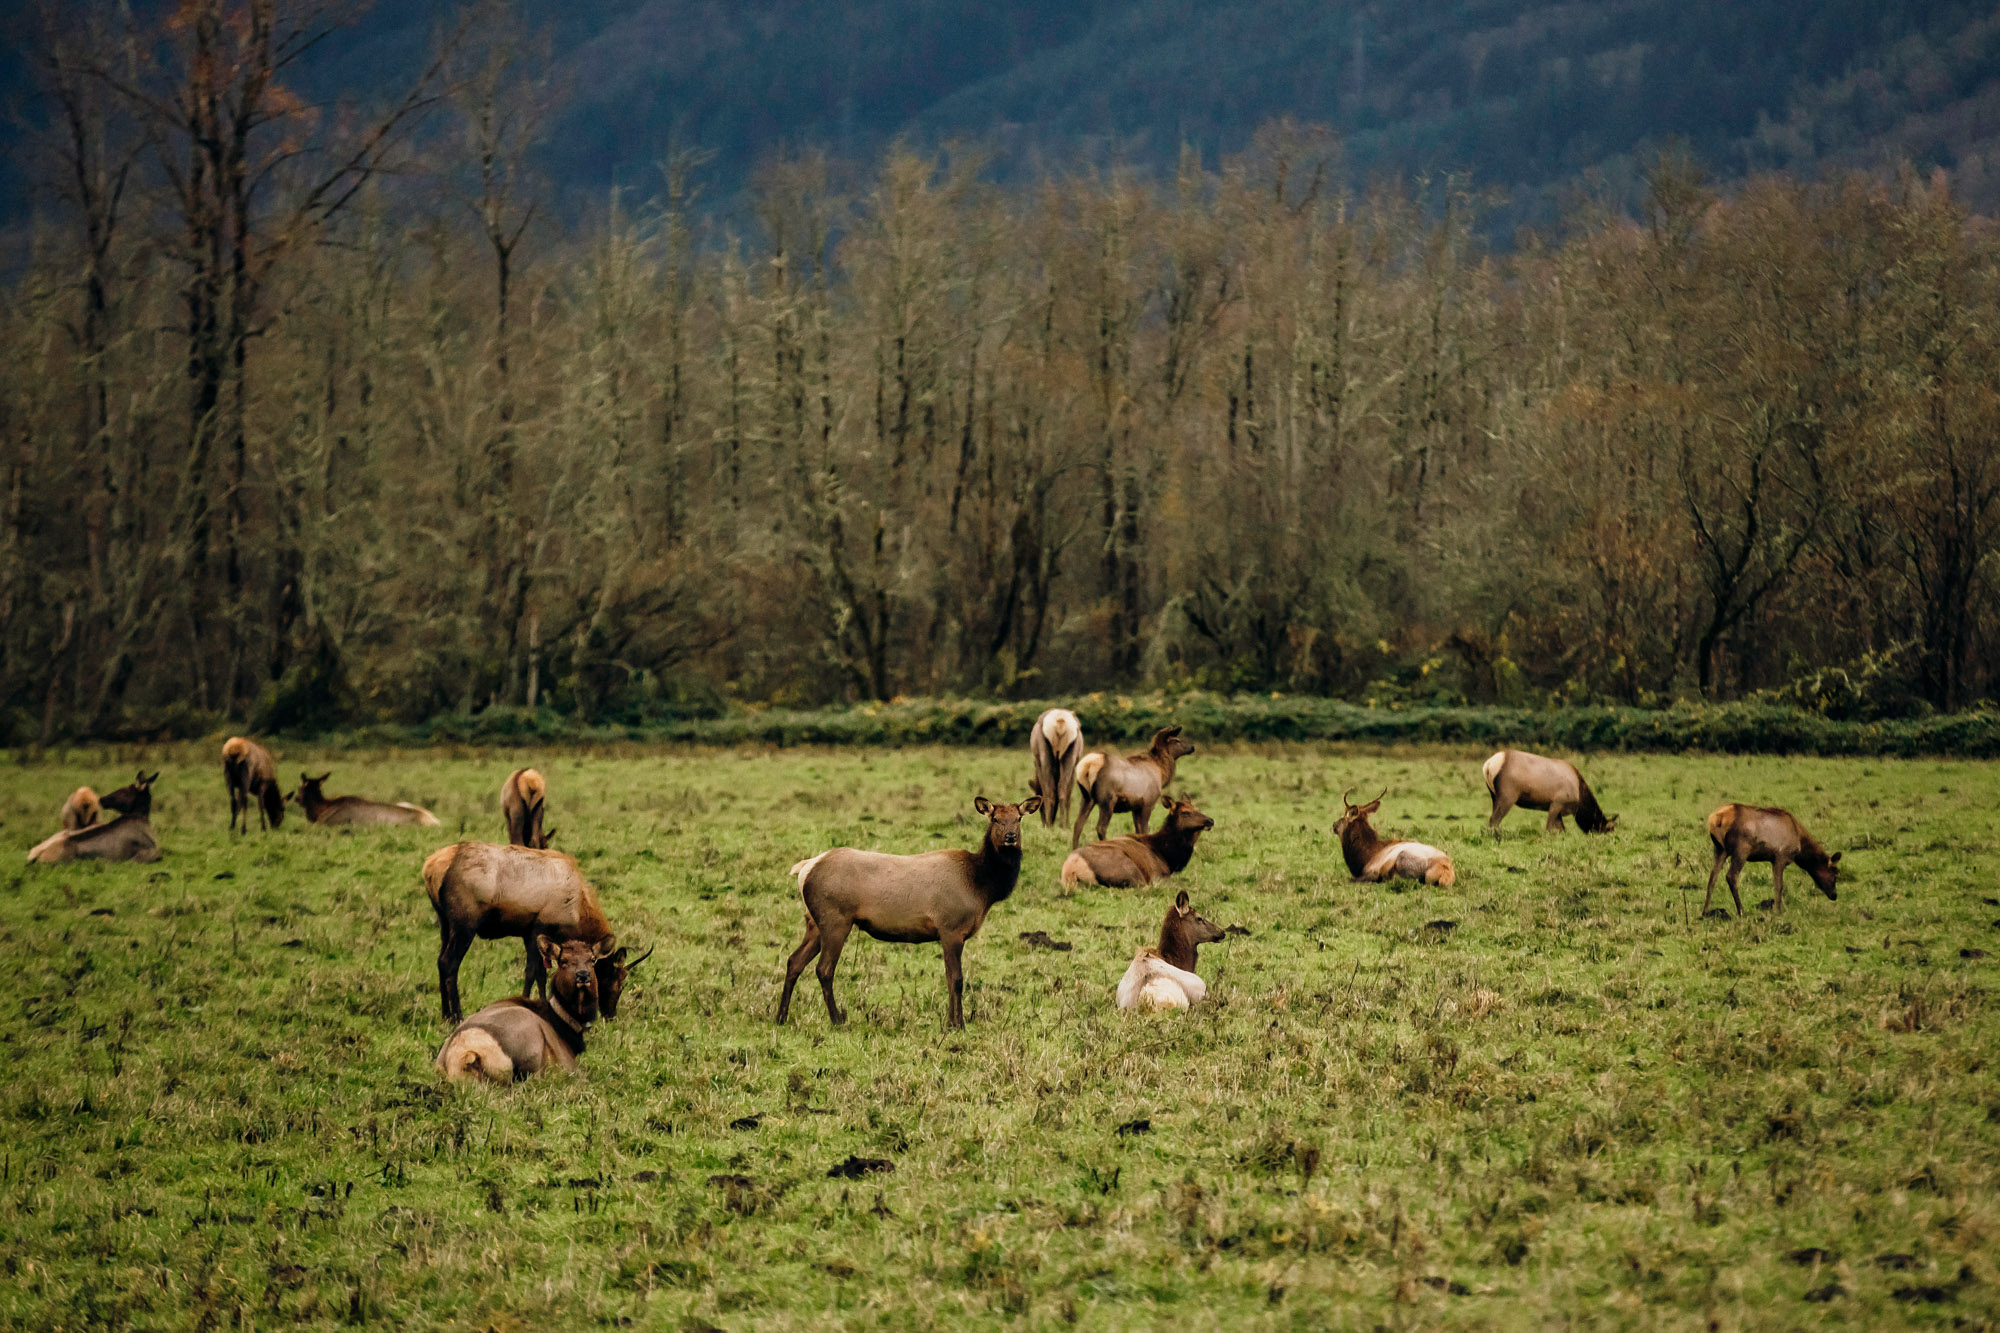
point(1744, 833)
point(517, 1038)
point(126, 838)
point(251, 776)
point(942, 896)
point(134, 798)
point(81, 809)
point(1372, 860)
point(480, 890)
point(1112, 783)
point(1164, 977)
point(1139, 859)
point(522, 797)
point(1056, 745)
point(321, 809)
point(1534, 782)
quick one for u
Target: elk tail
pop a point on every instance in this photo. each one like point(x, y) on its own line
point(1087, 769)
point(425, 818)
point(802, 870)
point(436, 866)
point(1491, 771)
point(472, 1053)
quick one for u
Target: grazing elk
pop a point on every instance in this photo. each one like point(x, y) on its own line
point(127, 838)
point(1515, 777)
point(518, 1038)
point(942, 896)
point(1139, 859)
point(1164, 978)
point(251, 776)
point(354, 809)
point(1133, 782)
point(1372, 860)
point(1056, 745)
point(522, 797)
point(1743, 833)
point(483, 891)
point(81, 809)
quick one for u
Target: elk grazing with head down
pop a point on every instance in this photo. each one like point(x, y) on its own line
point(942, 896)
point(1139, 859)
point(1372, 860)
point(1056, 745)
point(518, 1038)
point(1164, 977)
point(1111, 783)
point(1744, 833)
point(522, 797)
point(251, 776)
point(1515, 777)
point(81, 809)
point(480, 890)
point(321, 809)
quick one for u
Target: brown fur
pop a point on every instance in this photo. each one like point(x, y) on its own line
point(136, 798)
point(1133, 782)
point(320, 809)
point(1055, 745)
point(251, 776)
point(1139, 859)
point(515, 1039)
point(1535, 782)
point(1184, 931)
point(81, 809)
point(522, 797)
point(1372, 860)
point(127, 838)
point(1743, 833)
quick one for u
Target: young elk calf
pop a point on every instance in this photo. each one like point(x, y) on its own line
point(1372, 860)
point(354, 809)
point(1742, 833)
point(1139, 859)
point(81, 809)
point(1056, 745)
point(1164, 978)
point(1112, 784)
point(942, 896)
point(521, 799)
point(518, 1038)
point(1515, 777)
point(251, 776)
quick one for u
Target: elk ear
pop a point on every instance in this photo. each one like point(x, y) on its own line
point(1181, 902)
point(982, 805)
point(1032, 805)
point(550, 951)
point(605, 948)
point(548, 836)
point(1836, 858)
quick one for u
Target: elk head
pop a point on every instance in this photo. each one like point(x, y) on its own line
point(572, 971)
point(1169, 743)
point(135, 799)
point(1826, 874)
point(1183, 817)
point(1003, 821)
point(1352, 814)
point(612, 969)
point(309, 787)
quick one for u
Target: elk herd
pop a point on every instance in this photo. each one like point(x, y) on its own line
point(574, 969)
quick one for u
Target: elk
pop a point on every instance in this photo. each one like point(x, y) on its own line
point(942, 896)
point(1372, 860)
point(1743, 833)
point(354, 809)
point(81, 809)
point(1139, 859)
point(522, 797)
point(1134, 782)
point(1056, 744)
point(1164, 978)
point(517, 1038)
point(480, 890)
point(1533, 782)
point(251, 776)
point(135, 798)
point(127, 838)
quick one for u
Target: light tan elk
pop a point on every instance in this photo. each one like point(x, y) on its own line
point(1139, 859)
point(1056, 745)
point(251, 776)
point(320, 809)
point(1372, 860)
point(1515, 777)
point(1111, 783)
point(1164, 977)
point(518, 1038)
point(81, 809)
point(1743, 833)
point(942, 896)
point(127, 838)
point(522, 797)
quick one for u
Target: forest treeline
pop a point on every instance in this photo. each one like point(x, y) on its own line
point(315, 415)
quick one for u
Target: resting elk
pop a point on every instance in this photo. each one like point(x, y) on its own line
point(1133, 782)
point(251, 776)
point(127, 838)
point(320, 809)
point(518, 1038)
point(942, 896)
point(1515, 777)
point(1164, 978)
point(1372, 860)
point(522, 797)
point(1139, 859)
point(1743, 833)
point(1056, 745)
point(81, 809)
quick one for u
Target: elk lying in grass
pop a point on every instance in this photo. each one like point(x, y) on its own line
point(480, 890)
point(1111, 783)
point(1164, 978)
point(81, 809)
point(942, 896)
point(1743, 833)
point(127, 838)
point(251, 776)
point(1372, 860)
point(135, 798)
point(1056, 745)
point(518, 1038)
point(1139, 859)
point(320, 809)
point(522, 797)
point(1515, 777)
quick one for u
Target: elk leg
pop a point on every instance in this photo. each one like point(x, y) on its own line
point(1082, 814)
point(1713, 871)
point(1555, 823)
point(1501, 805)
point(1142, 817)
point(808, 949)
point(535, 973)
point(954, 978)
point(451, 952)
point(1735, 869)
point(833, 938)
point(1104, 819)
point(1777, 886)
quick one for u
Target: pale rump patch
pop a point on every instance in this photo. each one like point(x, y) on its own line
point(52, 850)
point(1076, 870)
point(1061, 729)
point(1151, 982)
point(235, 748)
point(801, 870)
point(1087, 769)
point(529, 783)
point(1415, 860)
point(436, 866)
point(1490, 770)
point(428, 820)
point(472, 1053)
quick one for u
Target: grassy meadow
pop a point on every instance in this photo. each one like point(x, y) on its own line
point(1550, 1095)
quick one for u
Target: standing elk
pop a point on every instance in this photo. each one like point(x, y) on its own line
point(522, 797)
point(1056, 745)
point(1112, 783)
point(1139, 859)
point(1164, 978)
point(1533, 782)
point(251, 776)
point(81, 809)
point(1372, 860)
point(517, 1038)
point(320, 809)
point(1743, 833)
point(942, 896)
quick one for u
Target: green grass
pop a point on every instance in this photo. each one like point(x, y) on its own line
point(221, 1110)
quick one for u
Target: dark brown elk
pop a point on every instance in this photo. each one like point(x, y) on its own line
point(1111, 783)
point(320, 809)
point(1164, 977)
point(518, 1038)
point(1056, 746)
point(1139, 859)
point(127, 838)
point(81, 809)
point(251, 776)
point(1744, 833)
point(480, 890)
point(1533, 782)
point(522, 797)
point(135, 798)
point(942, 896)
point(1372, 860)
